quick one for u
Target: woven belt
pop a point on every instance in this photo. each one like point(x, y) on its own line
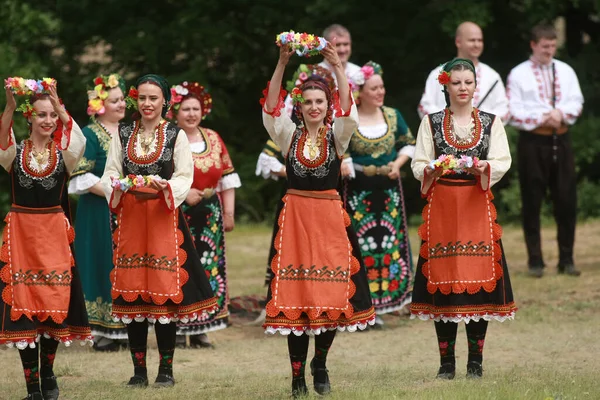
point(315, 194)
point(547, 131)
point(372, 170)
point(144, 195)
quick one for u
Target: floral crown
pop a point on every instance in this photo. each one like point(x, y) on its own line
point(362, 75)
point(96, 96)
point(28, 87)
point(304, 44)
point(302, 74)
point(194, 89)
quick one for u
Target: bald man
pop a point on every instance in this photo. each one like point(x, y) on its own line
point(490, 95)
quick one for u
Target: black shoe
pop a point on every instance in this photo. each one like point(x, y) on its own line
point(320, 379)
point(447, 371)
point(164, 381)
point(474, 370)
point(200, 342)
point(568, 269)
point(536, 272)
point(299, 388)
point(138, 381)
point(34, 396)
point(50, 388)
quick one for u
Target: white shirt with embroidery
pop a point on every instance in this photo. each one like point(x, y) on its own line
point(495, 103)
point(530, 92)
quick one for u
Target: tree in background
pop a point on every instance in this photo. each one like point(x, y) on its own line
point(228, 45)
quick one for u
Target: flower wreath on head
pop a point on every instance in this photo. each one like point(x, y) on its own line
point(302, 74)
point(96, 96)
point(361, 76)
point(193, 89)
point(28, 87)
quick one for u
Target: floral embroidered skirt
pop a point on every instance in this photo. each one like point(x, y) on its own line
point(205, 220)
point(376, 206)
point(94, 253)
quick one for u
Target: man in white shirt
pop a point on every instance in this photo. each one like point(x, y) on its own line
point(489, 96)
point(343, 46)
point(545, 98)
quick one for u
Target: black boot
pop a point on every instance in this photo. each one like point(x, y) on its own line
point(164, 381)
point(446, 371)
point(50, 388)
point(320, 378)
point(568, 269)
point(138, 381)
point(299, 388)
point(474, 370)
point(34, 396)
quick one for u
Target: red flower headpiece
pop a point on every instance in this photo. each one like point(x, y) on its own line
point(190, 89)
point(444, 78)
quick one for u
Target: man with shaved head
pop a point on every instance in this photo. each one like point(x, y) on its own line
point(490, 95)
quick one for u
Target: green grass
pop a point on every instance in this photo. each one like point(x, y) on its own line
point(550, 351)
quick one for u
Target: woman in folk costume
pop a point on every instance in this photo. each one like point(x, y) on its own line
point(93, 243)
point(462, 273)
point(42, 301)
point(158, 276)
point(210, 204)
point(319, 285)
point(373, 193)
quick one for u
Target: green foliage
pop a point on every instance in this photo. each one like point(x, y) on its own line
point(229, 47)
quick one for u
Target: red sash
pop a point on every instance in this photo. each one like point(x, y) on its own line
point(314, 261)
point(148, 260)
point(38, 263)
point(460, 237)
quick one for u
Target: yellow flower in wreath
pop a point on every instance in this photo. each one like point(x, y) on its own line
point(394, 213)
point(374, 287)
point(214, 271)
point(396, 255)
point(358, 216)
point(384, 285)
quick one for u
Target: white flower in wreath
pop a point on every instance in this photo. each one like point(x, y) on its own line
point(181, 90)
point(358, 78)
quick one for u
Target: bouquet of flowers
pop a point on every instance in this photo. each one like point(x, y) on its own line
point(304, 44)
point(454, 165)
point(27, 87)
point(133, 181)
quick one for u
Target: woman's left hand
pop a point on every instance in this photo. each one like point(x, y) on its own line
point(479, 169)
point(159, 185)
point(331, 55)
point(228, 222)
point(395, 170)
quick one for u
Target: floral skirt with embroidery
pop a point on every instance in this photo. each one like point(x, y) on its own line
point(376, 206)
point(455, 307)
point(205, 220)
point(93, 252)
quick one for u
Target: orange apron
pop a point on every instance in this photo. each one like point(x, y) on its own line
point(314, 262)
point(148, 260)
point(460, 237)
point(38, 263)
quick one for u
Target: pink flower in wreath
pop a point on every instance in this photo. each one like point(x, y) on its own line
point(367, 71)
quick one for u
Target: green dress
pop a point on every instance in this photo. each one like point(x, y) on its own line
point(93, 235)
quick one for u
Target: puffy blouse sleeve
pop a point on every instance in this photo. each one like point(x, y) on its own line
point(8, 154)
point(71, 142)
point(113, 168)
point(183, 175)
point(498, 158)
point(344, 124)
point(424, 153)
